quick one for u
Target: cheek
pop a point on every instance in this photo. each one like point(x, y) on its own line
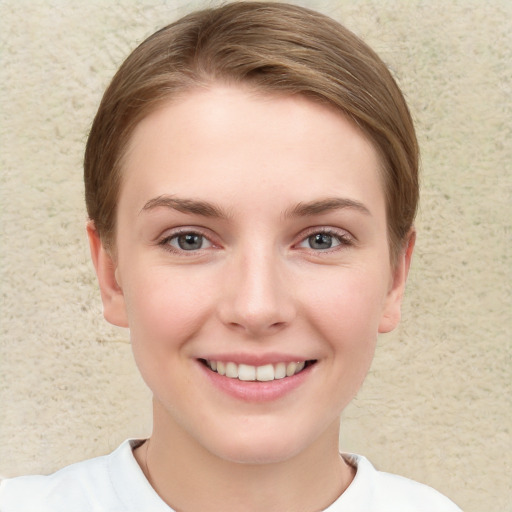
point(347, 319)
point(350, 296)
point(348, 312)
point(165, 309)
point(164, 314)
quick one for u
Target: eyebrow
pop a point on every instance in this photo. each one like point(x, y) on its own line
point(325, 205)
point(206, 209)
point(192, 206)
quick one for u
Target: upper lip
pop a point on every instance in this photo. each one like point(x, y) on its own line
point(257, 359)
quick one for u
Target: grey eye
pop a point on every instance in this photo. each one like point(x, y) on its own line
point(321, 241)
point(189, 242)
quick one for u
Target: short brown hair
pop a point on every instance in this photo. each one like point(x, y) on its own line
point(274, 47)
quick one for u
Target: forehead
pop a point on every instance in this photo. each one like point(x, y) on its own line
point(227, 140)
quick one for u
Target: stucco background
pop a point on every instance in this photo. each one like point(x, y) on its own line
point(436, 406)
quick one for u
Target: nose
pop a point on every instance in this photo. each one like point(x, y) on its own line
point(257, 299)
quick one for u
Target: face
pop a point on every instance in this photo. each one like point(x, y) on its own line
point(252, 268)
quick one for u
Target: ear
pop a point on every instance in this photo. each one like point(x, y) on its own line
point(393, 305)
point(114, 307)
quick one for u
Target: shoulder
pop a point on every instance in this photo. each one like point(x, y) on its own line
point(80, 484)
point(377, 491)
point(56, 491)
point(103, 484)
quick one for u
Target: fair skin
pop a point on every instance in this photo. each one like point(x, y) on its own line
point(251, 229)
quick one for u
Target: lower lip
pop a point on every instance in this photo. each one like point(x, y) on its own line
point(255, 391)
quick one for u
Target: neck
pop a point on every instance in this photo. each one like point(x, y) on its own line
point(190, 478)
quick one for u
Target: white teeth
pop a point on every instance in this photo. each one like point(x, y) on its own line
point(231, 370)
point(246, 372)
point(265, 373)
point(280, 371)
point(290, 369)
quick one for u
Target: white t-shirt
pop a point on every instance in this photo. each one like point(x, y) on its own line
point(115, 483)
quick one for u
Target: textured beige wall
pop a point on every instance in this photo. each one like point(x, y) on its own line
point(437, 404)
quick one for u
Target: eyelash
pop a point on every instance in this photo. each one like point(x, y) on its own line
point(165, 242)
point(343, 238)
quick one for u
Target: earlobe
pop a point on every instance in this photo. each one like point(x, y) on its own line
point(114, 307)
point(393, 305)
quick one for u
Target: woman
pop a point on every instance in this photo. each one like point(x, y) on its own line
point(251, 182)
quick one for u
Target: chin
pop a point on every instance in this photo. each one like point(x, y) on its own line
point(259, 449)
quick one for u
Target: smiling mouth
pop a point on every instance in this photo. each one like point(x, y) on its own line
point(264, 373)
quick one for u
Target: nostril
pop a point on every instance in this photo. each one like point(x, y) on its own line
point(278, 325)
